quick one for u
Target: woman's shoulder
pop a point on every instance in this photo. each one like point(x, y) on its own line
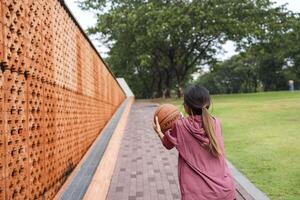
point(180, 121)
point(218, 125)
point(216, 119)
point(177, 123)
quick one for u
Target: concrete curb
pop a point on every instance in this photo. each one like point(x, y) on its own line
point(100, 183)
point(78, 182)
point(249, 187)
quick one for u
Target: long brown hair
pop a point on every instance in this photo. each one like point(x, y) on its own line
point(198, 100)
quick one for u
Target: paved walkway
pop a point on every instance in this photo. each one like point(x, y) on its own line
point(145, 169)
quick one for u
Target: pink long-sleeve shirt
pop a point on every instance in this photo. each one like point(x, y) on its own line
point(202, 176)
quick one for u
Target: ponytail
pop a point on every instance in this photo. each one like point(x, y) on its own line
point(209, 128)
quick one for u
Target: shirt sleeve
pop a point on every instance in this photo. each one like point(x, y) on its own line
point(170, 138)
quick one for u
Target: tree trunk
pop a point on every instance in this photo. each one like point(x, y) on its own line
point(167, 91)
point(180, 89)
point(255, 84)
point(180, 83)
point(159, 87)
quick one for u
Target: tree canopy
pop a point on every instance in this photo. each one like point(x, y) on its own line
point(266, 65)
point(158, 44)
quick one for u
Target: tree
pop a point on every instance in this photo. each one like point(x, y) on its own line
point(292, 66)
point(269, 63)
point(237, 74)
point(157, 44)
point(276, 52)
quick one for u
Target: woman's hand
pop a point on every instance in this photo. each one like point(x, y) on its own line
point(156, 125)
point(157, 128)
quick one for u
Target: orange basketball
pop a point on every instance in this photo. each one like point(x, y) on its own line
point(167, 114)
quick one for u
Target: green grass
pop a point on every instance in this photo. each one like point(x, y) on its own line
point(262, 139)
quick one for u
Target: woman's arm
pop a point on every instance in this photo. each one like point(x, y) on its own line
point(161, 136)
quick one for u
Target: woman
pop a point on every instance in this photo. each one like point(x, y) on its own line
point(202, 169)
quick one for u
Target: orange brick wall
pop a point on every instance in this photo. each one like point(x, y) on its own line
point(56, 95)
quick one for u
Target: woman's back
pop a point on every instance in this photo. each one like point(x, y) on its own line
point(201, 174)
point(202, 169)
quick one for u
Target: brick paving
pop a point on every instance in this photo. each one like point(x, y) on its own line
point(145, 169)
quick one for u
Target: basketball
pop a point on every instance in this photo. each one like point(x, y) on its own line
point(167, 114)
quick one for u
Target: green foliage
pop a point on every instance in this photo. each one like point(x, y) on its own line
point(266, 65)
point(238, 74)
point(157, 45)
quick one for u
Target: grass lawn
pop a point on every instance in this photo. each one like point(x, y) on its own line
point(262, 138)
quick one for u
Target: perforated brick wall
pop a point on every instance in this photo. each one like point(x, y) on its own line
point(56, 95)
